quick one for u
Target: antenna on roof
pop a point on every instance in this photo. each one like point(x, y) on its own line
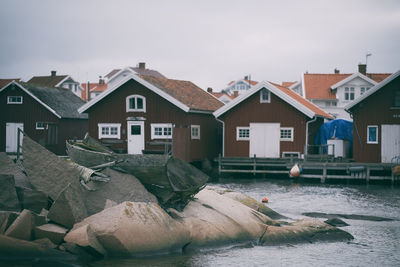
point(366, 58)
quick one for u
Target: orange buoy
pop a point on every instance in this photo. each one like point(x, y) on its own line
point(264, 200)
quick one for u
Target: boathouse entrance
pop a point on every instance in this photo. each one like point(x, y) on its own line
point(265, 140)
point(390, 142)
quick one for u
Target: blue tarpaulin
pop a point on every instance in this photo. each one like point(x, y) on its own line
point(337, 129)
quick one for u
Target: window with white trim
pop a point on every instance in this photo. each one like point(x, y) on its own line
point(372, 134)
point(195, 131)
point(109, 130)
point(265, 96)
point(349, 93)
point(161, 131)
point(14, 99)
point(41, 125)
point(362, 90)
point(242, 133)
point(135, 103)
point(287, 133)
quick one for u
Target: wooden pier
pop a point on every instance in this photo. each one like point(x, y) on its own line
point(327, 170)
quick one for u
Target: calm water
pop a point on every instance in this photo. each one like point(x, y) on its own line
point(375, 243)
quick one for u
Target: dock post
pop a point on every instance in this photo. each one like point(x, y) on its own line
point(324, 172)
point(219, 164)
point(367, 175)
point(392, 177)
point(254, 165)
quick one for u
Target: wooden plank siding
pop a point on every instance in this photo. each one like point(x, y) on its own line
point(373, 110)
point(277, 111)
point(30, 112)
point(112, 109)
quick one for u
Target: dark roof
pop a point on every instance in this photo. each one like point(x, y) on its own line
point(4, 82)
point(61, 100)
point(186, 92)
point(49, 81)
point(140, 71)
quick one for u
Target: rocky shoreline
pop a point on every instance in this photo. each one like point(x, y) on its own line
point(47, 215)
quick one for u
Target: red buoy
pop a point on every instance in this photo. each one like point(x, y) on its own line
point(264, 200)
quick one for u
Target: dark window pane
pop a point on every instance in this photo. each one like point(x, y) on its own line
point(139, 103)
point(132, 103)
point(135, 130)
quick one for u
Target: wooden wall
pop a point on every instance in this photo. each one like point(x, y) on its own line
point(112, 109)
point(375, 110)
point(277, 111)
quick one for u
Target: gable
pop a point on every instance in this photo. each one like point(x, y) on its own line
point(183, 94)
point(392, 78)
point(285, 94)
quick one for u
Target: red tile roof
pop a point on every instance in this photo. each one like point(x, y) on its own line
point(185, 92)
point(251, 82)
point(4, 82)
point(378, 77)
point(93, 87)
point(219, 94)
point(48, 81)
point(317, 86)
point(303, 101)
point(287, 84)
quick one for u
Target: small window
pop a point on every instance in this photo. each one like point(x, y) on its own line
point(362, 90)
point(136, 103)
point(109, 130)
point(372, 134)
point(195, 131)
point(136, 130)
point(287, 134)
point(349, 93)
point(70, 86)
point(242, 133)
point(265, 96)
point(41, 125)
point(161, 131)
point(14, 100)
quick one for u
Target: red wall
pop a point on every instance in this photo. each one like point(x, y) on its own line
point(374, 110)
point(277, 111)
point(30, 112)
point(112, 109)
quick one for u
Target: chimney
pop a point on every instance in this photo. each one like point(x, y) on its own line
point(362, 68)
point(53, 73)
point(142, 65)
point(209, 89)
point(235, 93)
point(246, 77)
point(336, 71)
point(101, 80)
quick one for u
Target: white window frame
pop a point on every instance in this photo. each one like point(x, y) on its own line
point(128, 98)
point(44, 125)
point(291, 129)
point(241, 138)
point(153, 127)
point(193, 127)
point(109, 135)
point(9, 98)
point(377, 134)
point(262, 100)
point(349, 91)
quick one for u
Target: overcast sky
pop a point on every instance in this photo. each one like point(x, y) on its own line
point(207, 42)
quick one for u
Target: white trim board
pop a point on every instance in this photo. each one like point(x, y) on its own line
point(351, 77)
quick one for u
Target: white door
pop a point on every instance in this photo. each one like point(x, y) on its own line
point(265, 140)
point(135, 137)
point(12, 136)
point(390, 146)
